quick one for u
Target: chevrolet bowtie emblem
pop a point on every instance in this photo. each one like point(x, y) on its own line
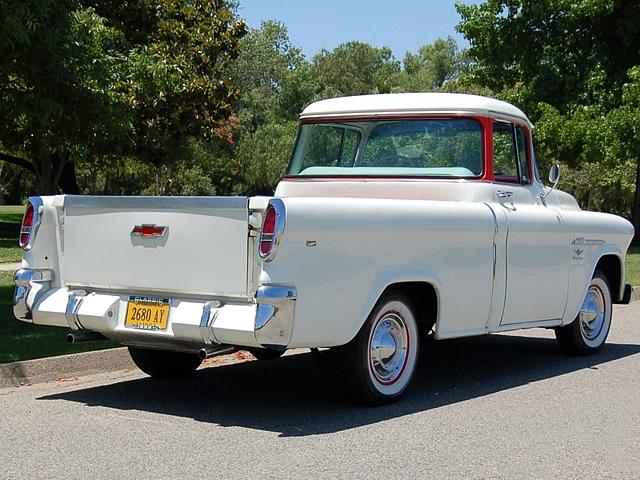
point(147, 230)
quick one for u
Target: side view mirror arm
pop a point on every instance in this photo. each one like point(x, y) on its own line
point(554, 177)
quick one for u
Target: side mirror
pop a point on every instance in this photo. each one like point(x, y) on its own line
point(554, 174)
point(554, 177)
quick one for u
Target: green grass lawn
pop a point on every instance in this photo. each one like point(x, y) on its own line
point(10, 220)
point(632, 274)
point(9, 250)
point(23, 341)
point(11, 213)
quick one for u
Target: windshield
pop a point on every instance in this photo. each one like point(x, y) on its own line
point(426, 147)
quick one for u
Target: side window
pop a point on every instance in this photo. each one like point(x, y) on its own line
point(330, 146)
point(521, 141)
point(505, 158)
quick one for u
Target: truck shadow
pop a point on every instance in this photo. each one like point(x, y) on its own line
point(296, 396)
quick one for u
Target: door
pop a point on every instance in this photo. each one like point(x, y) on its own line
point(537, 256)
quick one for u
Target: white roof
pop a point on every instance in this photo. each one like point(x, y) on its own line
point(402, 103)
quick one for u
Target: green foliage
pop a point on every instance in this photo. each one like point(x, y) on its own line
point(355, 68)
point(78, 81)
point(602, 188)
point(573, 66)
point(432, 67)
point(265, 154)
point(562, 52)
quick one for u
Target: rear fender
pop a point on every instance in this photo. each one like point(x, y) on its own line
point(391, 277)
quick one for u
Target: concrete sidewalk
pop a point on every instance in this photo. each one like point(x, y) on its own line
point(10, 267)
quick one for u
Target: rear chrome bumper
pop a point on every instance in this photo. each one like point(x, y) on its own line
point(265, 321)
point(30, 284)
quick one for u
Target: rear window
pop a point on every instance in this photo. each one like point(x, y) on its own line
point(425, 147)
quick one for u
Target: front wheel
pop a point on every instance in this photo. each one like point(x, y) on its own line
point(164, 364)
point(588, 332)
point(382, 358)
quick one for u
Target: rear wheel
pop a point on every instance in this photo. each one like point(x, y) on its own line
point(164, 364)
point(588, 332)
point(381, 359)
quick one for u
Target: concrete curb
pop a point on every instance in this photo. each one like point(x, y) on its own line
point(64, 366)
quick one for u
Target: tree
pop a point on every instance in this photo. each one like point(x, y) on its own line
point(571, 64)
point(83, 80)
point(264, 155)
point(266, 58)
point(434, 65)
point(561, 52)
point(355, 68)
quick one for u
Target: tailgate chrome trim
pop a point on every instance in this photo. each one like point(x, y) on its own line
point(129, 202)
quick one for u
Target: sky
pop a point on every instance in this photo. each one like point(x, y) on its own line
point(402, 25)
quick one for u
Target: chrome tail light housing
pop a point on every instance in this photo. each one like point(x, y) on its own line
point(30, 223)
point(273, 225)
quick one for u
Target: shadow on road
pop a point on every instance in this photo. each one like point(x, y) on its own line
point(295, 396)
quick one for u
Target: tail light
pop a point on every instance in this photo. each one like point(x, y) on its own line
point(272, 229)
point(30, 223)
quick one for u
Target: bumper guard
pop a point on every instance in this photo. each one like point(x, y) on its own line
point(29, 285)
point(274, 316)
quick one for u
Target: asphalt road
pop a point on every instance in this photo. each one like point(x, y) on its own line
point(503, 406)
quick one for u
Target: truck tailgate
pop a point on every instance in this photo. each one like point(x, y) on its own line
point(193, 245)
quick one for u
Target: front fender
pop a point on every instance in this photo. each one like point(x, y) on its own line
point(581, 275)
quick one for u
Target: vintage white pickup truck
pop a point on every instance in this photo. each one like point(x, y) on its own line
point(399, 215)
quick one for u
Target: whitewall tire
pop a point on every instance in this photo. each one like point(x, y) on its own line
point(588, 332)
point(383, 356)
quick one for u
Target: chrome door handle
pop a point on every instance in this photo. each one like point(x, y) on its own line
point(504, 193)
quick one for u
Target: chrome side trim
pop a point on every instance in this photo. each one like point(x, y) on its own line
point(274, 316)
point(281, 220)
point(495, 219)
point(73, 304)
point(207, 319)
point(29, 285)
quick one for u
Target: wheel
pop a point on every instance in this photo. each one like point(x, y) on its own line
point(381, 359)
point(164, 364)
point(266, 354)
point(588, 332)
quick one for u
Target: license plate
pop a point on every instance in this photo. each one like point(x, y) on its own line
point(147, 313)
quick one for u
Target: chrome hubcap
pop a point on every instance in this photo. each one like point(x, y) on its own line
point(592, 313)
point(388, 347)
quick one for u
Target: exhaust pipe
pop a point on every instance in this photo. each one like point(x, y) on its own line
point(84, 336)
point(207, 352)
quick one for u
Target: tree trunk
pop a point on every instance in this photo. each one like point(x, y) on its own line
point(51, 169)
point(44, 175)
point(68, 182)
